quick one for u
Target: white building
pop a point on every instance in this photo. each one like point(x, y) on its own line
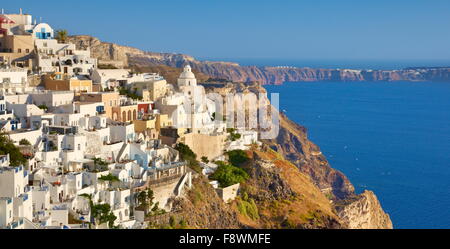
point(15, 197)
point(52, 99)
point(13, 80)
point(5, 114)
point(191, 108)
point(122, 133)
point(65, 58)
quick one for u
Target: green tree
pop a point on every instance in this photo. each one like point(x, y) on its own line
point(237, 157)
point(99, 164)
point(110, 178)
point(142, 200)
point(227, 174)
point(145, 202)
point(100, 213)
point(24, 141)
point(205, 159)
point(103, 213)
point(16, 158)
point(150, 196)
point(233, 134)
point(132, 95)
point(61, 35)
point(188, 155)
point(43, 107)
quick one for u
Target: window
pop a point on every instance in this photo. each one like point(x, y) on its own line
point(27, 50)
point(79, 146)
point(19, 50)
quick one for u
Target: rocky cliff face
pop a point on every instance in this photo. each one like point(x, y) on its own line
point(364, 212)
point(265, 75)
point(200, 208)
point(284, 196)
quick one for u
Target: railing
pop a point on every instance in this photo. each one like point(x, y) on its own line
point(164, 179)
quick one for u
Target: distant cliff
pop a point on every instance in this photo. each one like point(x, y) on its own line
point(128, 56)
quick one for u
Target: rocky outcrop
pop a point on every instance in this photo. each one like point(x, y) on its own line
point(106, 51)
point(364, 212)
point(283, 195)
point(201, 207)
point(129, 56)
point(266, 179)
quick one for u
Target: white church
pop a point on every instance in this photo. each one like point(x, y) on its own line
point(192, 109)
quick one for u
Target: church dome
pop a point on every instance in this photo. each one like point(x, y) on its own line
point(187, 73)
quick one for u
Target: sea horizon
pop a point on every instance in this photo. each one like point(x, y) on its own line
point(362, 64)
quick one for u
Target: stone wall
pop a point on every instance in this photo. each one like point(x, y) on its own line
point(163, 192)
point(229, 193)
point(205, 145)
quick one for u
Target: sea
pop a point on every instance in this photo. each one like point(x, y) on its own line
point(389, 137)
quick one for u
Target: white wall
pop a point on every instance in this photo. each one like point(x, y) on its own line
point(13, 76)
point(31, 136)
point(12, 181)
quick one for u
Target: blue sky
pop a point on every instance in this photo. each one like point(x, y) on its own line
point(302, 29)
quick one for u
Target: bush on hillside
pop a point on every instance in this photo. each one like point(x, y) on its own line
point(237, 157)
point(227, 174)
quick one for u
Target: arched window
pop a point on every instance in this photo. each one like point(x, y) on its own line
point(134, 114)
point(124, 116)
point(129, 115)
